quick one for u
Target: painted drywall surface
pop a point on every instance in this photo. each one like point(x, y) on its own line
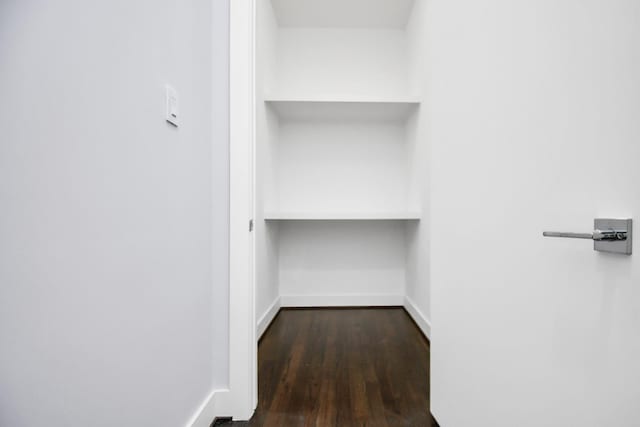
point(418, 288)
point(528, 100)
point(110, 305)
point(338, 62)
point(340, 14)
point(342, 166)
point(219, 140)
point(267, 132)
point(342, 258)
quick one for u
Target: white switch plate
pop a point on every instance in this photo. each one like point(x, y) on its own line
point(172, 105)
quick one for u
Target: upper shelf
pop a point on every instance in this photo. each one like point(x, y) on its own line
point(341, 216)
point(343, 13)
point(344, 107)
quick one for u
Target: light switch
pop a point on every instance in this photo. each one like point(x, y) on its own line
point(172, 105)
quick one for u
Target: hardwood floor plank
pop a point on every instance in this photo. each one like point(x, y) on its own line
point(327, 414)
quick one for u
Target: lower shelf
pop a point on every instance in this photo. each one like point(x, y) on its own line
point(341, 216)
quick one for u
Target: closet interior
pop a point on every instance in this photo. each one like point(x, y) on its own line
point(341, 156)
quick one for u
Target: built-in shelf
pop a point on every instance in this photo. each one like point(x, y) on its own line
point(344, 107)
point(343, 99)
point(341, 216)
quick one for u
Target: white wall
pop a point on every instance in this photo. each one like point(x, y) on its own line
point(219, 140)
point(341, 62)
point(333, 261)
point(418, 287)
point(342, 166)
point(342, 14)
point(267, 131)
point(529, 100)
point(111, 310)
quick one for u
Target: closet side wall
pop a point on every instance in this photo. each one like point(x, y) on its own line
point(267, 130)
point(418, 289)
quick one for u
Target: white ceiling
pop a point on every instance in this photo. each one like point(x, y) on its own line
point(343, 13)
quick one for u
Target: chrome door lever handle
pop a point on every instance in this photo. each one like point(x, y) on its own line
point(609, 235)
point(599, 235)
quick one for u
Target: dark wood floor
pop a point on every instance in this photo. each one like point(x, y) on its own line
point(343, 368)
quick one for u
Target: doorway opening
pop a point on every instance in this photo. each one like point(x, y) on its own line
point(340, 165)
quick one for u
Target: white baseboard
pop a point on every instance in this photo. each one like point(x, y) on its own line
point(341, 300)
point(418, 316)
point(209, 409)
point(266, 319)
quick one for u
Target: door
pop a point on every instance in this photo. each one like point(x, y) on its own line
point(535, 125)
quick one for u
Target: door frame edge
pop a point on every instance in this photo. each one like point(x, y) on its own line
point(241, 400)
